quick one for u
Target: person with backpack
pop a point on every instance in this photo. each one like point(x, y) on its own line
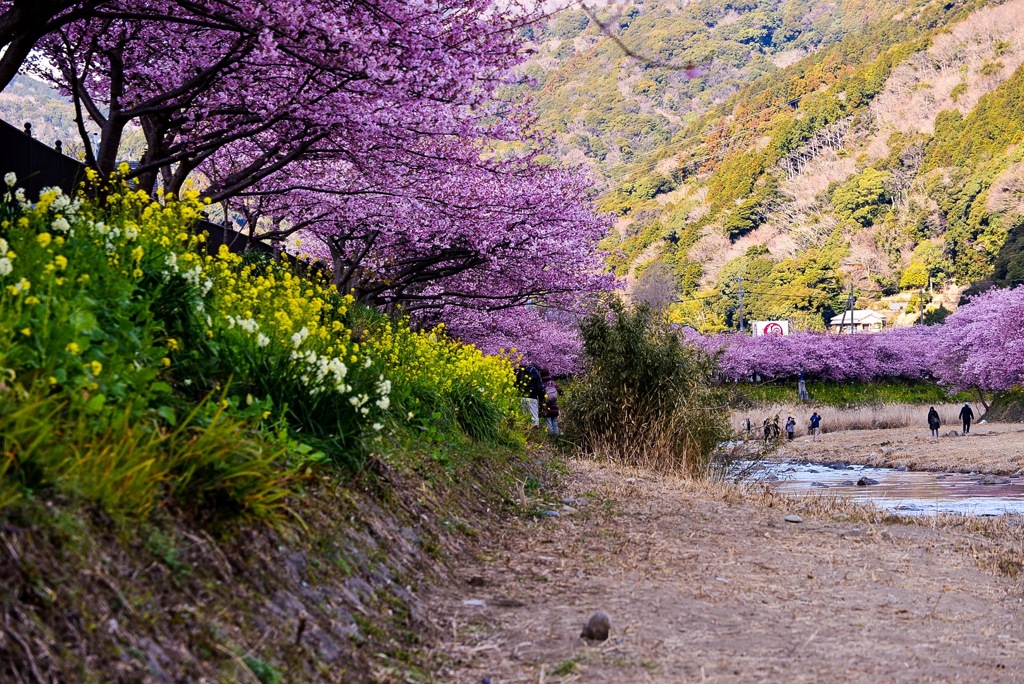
point(967, 415)
point(790, 428)
point(550, 408)
point(531, 391)
point(933, 421)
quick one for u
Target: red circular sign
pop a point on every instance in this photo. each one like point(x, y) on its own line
point(773, 330)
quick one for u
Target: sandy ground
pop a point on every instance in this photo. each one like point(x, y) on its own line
point(707, 584)
point(989, 448)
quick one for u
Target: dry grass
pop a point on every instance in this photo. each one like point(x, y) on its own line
point(871, 417)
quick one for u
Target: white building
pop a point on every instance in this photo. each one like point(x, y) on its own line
point(863, 320)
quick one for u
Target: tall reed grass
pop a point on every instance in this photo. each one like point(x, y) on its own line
point(868, 417)
point(646, 399)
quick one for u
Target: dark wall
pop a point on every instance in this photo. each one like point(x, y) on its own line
point(38, 166)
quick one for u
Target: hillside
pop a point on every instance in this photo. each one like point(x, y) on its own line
point(810, 147)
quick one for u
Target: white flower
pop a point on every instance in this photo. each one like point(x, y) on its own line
point(19, 195)
point(377, 426)
point(3, 246)
point(5, 266)
point(300, 337)
point(249, 325)
point(367, 363)
point(383, 403)
point(262, 340)
point(10, 179)
point(61, 225)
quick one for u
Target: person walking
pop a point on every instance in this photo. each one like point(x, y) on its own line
point(933, 421)
point(815, 426)
point(550, 409)
point(967, 415)
point(790, 428)
point(749, 427)
point(531, 391)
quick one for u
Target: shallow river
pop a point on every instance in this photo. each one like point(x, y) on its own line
point(902, 492)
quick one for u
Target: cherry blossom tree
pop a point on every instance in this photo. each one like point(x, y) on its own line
point(981, 345)
point(369, 129)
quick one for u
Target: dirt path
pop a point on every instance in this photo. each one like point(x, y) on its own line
point(707, 585)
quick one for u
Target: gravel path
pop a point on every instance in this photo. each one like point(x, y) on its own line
point(705, 583)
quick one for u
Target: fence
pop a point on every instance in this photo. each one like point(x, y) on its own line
point(39, 166)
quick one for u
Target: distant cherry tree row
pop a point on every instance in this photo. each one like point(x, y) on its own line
point(981, 346)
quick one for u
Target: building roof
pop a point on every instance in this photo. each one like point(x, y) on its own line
point(859, 316)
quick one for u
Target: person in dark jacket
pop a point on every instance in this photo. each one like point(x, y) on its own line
point(967, 415)
point(550, 406)
point(815, 426)
point(933, 421)
point(790, 428)
point(531, 389)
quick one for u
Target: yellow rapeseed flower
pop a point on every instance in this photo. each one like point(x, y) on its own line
point(72, 348)
point(44, 240)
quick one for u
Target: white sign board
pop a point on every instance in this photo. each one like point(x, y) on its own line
point(770, 328)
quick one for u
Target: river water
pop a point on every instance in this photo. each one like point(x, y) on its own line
point(901, 492)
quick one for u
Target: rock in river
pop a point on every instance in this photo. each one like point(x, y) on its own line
point(865, 481)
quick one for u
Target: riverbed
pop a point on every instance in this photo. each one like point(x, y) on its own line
point(900, 491)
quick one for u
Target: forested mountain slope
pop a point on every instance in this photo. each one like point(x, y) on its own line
point(804, 147)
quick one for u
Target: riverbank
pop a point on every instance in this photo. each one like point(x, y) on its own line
point(709, 582)
point(996, 448)
point(332, 596)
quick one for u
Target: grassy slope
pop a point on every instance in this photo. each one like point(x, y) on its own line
point(334, 599)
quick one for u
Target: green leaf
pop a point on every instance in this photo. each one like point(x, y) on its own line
point(160, 388)
point(168, 414)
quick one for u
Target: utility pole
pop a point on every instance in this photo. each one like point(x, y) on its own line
point(740, 279)
point(848, 309)
point(920, 307)
point(849, 304)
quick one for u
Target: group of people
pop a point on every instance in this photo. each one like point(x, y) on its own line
point(772, 431)
point(539, 396)
point(966, 417)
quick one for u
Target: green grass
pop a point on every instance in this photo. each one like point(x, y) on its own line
point(840, 394)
